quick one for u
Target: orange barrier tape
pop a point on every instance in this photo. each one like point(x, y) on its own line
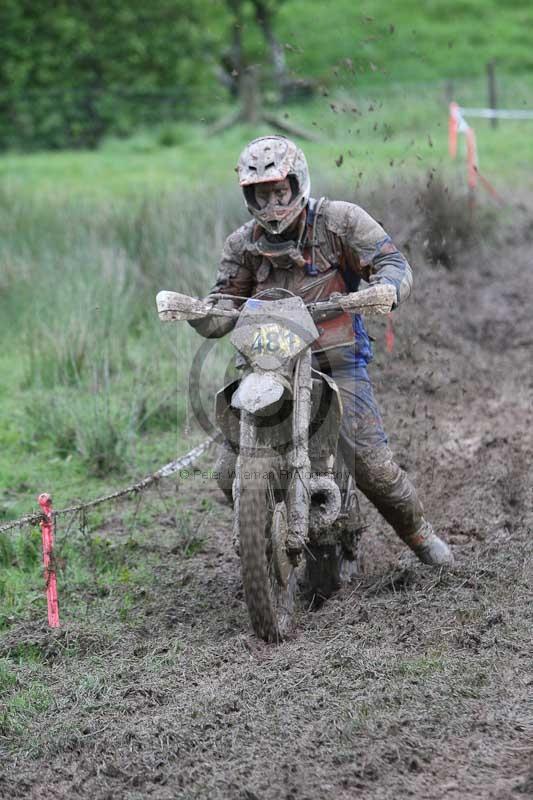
point(471, 158)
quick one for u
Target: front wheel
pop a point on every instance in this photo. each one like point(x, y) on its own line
point(269, 576)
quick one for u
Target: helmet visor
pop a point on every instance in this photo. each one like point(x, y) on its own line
point(276, 199)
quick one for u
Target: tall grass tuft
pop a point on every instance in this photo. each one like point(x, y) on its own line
point(435, 216)
point(451, 224)
point(79, 280)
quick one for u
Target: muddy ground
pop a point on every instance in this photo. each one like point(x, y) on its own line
point(410, 683)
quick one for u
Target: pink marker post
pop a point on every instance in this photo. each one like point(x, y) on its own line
point(47, 530)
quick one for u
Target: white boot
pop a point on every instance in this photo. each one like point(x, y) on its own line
point(428, 547)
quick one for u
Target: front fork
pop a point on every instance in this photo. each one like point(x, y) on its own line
point(298, 496)
point(298, 493)
point(247, 445)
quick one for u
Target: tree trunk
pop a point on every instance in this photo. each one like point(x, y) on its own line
point(263, 15)
point(231, 60)
point(249, 94)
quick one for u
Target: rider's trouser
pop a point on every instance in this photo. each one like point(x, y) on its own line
point(364, 448)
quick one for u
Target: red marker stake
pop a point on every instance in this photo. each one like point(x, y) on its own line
point(47, 530)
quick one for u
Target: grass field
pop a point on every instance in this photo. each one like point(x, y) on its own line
point(379, 131)
point(94, 388)
point(408, 40)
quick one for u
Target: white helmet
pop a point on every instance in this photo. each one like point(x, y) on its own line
point(274, 158)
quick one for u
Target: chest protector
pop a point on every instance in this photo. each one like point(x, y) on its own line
point(313, 271)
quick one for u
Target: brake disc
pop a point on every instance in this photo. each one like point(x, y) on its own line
point(279, 533)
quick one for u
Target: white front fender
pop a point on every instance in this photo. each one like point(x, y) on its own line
point(257, 392)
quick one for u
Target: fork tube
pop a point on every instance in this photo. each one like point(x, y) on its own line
point(298, 458)
point(248, 434)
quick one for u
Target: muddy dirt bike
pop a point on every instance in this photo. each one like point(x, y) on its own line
point(296, 516)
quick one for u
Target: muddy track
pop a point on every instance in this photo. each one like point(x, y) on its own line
point(410, 683)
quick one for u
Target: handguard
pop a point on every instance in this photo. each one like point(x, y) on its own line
point(173, 306)
point(378, 299)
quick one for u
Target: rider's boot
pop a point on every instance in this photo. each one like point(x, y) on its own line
point(390, 490)
point(427, 546)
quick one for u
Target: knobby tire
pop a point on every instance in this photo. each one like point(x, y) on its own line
point(270, 604)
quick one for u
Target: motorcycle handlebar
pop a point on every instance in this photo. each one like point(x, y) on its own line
point(378, 299)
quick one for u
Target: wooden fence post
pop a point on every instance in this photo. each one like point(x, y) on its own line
point(493, 100)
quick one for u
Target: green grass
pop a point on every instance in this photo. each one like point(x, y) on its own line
point(98, 561)
point(20, 708)
point(421, 666)
point(395, 129)
point(405, 41)
point(93, 389)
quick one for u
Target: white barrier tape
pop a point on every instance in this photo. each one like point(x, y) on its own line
point(462, 124)
point(494, 113)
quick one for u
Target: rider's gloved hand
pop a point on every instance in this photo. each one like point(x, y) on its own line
point(214, 327)
point(379, 298)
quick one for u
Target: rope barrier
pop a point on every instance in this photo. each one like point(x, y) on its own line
point(165, 471)
point(47, 518)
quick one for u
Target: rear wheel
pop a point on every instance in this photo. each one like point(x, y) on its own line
point(332, 557)
point(328, 567)
point(269, 576)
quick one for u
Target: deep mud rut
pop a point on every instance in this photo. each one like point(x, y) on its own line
point(410, 683)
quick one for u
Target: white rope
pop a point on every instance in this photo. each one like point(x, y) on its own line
point(169, 469)
point(496, 113)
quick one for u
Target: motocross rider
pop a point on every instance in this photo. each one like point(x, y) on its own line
point(316, 248)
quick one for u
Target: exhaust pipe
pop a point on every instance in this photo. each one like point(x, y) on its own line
point(325, 503)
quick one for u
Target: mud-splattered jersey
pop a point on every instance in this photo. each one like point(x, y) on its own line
point(339, 244)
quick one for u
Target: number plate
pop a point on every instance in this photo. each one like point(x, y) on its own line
point(272, 339)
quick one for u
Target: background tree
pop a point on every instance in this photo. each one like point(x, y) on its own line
point(243, 51)
point(265, 11)
point(73, 71)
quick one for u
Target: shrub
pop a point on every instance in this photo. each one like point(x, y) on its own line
point(449, 222)
point(103, 442)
